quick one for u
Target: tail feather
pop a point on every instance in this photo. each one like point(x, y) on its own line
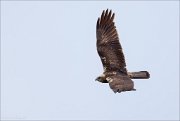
point(139, 75)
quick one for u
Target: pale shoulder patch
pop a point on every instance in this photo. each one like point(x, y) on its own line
point(109, 79)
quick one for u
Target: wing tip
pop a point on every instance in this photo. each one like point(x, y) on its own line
point(106, 18)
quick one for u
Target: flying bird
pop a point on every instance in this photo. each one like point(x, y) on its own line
point(112, 57)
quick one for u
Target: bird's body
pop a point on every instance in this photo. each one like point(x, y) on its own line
point(111, 54)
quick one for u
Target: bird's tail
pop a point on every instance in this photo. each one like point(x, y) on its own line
point(139, 75)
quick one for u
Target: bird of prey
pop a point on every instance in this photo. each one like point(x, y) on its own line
point(112, 57)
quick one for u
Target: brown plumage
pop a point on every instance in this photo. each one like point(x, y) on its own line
point(111, 54)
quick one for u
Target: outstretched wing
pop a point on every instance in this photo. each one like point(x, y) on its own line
point(108, 46)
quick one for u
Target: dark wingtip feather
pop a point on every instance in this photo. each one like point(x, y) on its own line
point(97, 25)
point(109, 15)
point(102, 17)
point(106, 12)
point(112, 17)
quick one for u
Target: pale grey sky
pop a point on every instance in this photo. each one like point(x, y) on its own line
point(49, 61)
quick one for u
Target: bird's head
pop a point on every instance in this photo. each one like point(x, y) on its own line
point(101, 79)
